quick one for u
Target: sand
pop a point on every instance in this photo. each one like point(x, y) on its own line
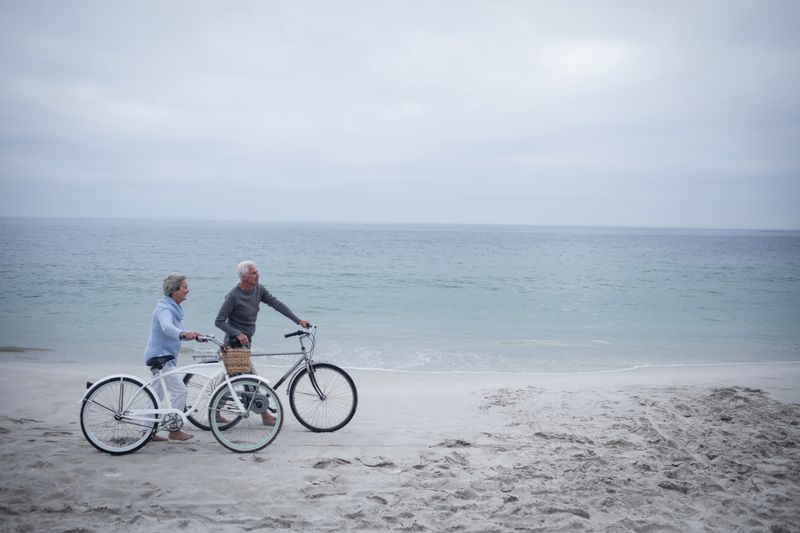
point(699, 448)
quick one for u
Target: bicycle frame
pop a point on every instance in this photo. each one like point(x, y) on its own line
point(306, 356)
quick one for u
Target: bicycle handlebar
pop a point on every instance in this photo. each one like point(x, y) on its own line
point(206, 338)
point(212, 338)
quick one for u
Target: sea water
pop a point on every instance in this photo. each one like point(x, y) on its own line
point(412, 297)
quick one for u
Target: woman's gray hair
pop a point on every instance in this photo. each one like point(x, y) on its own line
point(172, 283)
point(244, 268)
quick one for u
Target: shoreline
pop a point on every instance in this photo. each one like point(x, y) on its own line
point(12, 351)
point(672, 449)
point(578, 372)
point(785, 386)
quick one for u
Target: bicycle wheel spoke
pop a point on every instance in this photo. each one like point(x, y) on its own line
point(199, 393)
point(98, 404)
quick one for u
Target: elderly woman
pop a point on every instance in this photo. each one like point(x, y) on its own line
point(164, 344)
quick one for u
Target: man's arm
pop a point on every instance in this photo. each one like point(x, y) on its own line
point(280, 307)
point(222, 318)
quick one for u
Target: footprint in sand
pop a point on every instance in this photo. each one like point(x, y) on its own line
point(457, 459)
point(56, 433)
point(378, 462)
point(335, 461)
point(454, 443)
point(324, 487)
point(22, 420)
point(251, 458)
point(576, 512)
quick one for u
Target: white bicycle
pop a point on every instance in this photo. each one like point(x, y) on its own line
point(120, 413)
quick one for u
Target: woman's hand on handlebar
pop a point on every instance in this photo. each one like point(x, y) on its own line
point(208, 338)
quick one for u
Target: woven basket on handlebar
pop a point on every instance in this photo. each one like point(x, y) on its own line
point(237, 360)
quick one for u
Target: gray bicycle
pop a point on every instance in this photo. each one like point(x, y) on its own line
point(322, 396)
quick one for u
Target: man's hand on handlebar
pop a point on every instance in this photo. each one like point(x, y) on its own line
point(304, 323)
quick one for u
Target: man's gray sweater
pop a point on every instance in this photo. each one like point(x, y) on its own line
point(240, 309)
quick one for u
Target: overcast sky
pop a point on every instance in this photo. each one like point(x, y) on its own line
point(639, 113)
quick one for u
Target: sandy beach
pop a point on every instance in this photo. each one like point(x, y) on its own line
point(693, 448)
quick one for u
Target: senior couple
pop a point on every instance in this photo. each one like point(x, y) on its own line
point(236, 317)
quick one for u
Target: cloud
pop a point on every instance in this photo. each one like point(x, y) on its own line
point(405, 107)
point(587, 61)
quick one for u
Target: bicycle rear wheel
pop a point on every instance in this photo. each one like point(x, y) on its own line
point(106, 419)
point(242, 430)
point(334, 409)
point(199, 389)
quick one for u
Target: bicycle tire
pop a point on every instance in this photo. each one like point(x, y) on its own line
point(245, 432)
point(329, 414)
point(199, 389)
point(104, 424)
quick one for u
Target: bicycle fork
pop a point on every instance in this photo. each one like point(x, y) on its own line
point(314, 383)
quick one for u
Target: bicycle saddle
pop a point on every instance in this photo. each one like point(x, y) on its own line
point(157, 363)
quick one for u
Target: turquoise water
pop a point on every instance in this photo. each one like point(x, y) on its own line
point(413, 297)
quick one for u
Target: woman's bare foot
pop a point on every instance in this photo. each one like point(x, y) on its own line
point(267, 419)
point(158, 438)
point(179, 435)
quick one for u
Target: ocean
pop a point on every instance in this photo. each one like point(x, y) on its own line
point(438, 298)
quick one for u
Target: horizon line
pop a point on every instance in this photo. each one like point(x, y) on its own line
point(400, 223)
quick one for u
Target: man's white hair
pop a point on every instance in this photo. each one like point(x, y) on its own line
point(244, 268)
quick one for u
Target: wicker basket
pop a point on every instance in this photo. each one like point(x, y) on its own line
point(237, 360)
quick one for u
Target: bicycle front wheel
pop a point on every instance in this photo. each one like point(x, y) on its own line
point(108, 418)
point(327, 412)
point(245, 416)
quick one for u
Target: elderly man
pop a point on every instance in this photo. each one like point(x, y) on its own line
point(237, 316)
